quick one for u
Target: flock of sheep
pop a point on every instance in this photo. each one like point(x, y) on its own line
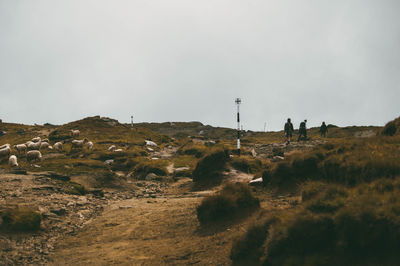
point(32, 148)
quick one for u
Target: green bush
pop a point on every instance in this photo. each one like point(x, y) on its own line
point(234, 200)
point(20, 220)
point(209, 168)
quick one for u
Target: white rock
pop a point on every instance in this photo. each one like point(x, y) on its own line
point(150, 143)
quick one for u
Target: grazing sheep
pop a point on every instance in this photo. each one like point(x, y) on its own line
point(20, 148)
point(33, 145)
point(118, 150)
point(44, 145)
point(12, 161)
point(89, 145)
point(58, 146)
point(112, 148)
point(5, 146)
point(5, 152)
point(37, 139)
point(78, 143)
point(33, 156)
point(75, 133)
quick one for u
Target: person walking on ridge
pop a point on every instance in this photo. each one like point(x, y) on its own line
point(323, 129)
point(288, 131)
point(302, 131)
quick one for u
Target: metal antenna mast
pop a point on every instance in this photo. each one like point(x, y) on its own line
point(238, 101)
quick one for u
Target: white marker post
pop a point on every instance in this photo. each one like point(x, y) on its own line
point(238, 101)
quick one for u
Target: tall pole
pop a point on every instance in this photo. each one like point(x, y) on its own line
point(238, 102)
point(132, 120)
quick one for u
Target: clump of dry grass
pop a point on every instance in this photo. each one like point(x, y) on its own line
point(233, 200)
point(337, 225)
point(348, 162)
point(20, 220)
point(209, 168)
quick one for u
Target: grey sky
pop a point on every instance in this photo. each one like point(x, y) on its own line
point(186, 60)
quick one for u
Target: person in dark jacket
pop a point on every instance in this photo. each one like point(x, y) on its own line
point(302, 131)
point(323, 130)
point(288, 130)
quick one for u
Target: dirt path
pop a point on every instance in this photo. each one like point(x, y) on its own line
point(161, 231)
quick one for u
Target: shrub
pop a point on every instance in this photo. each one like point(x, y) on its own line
point(363, 230)
point(232, 201)
point(20, 220)
point(352, 163)
point(390, 129)
point(209, 168)
point(248, 249)
point(142, 169)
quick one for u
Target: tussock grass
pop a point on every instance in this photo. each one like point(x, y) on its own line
point(391, 128)
point(337, 225)
point(209, 168)
point(232, 201)
point(347, 162)
point(145, 167)
point(248, 164)
point(20, 220)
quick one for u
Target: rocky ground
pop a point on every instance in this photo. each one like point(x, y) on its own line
point(63, 213)
point(147, 222)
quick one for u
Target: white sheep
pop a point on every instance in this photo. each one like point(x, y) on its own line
point(58, 146)
point(20, 148)
point(118, 150)
point(78, 143)
point(89, 145)
point(12, 161)
point(44, 145)
point(33, 156)
point(112, 148)
point(5, 152)
point(37, 139)
point(33, 145)
point(75, 133)
point(5, 146)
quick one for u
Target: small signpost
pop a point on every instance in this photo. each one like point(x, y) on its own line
point(238, 101)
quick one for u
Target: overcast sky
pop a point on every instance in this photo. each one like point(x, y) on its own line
point(185, 60)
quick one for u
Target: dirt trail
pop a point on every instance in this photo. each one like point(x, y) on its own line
point(160, 231)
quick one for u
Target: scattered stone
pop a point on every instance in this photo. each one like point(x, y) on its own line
point(125, 207)
point(150, 177)
point(59, 211)
point(181, 169)
point(109, 162)
point(150, 143)
point(256, 182)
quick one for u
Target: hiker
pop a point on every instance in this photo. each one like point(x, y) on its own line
point(288, 131)
point(323, 130)
point(302, 131)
